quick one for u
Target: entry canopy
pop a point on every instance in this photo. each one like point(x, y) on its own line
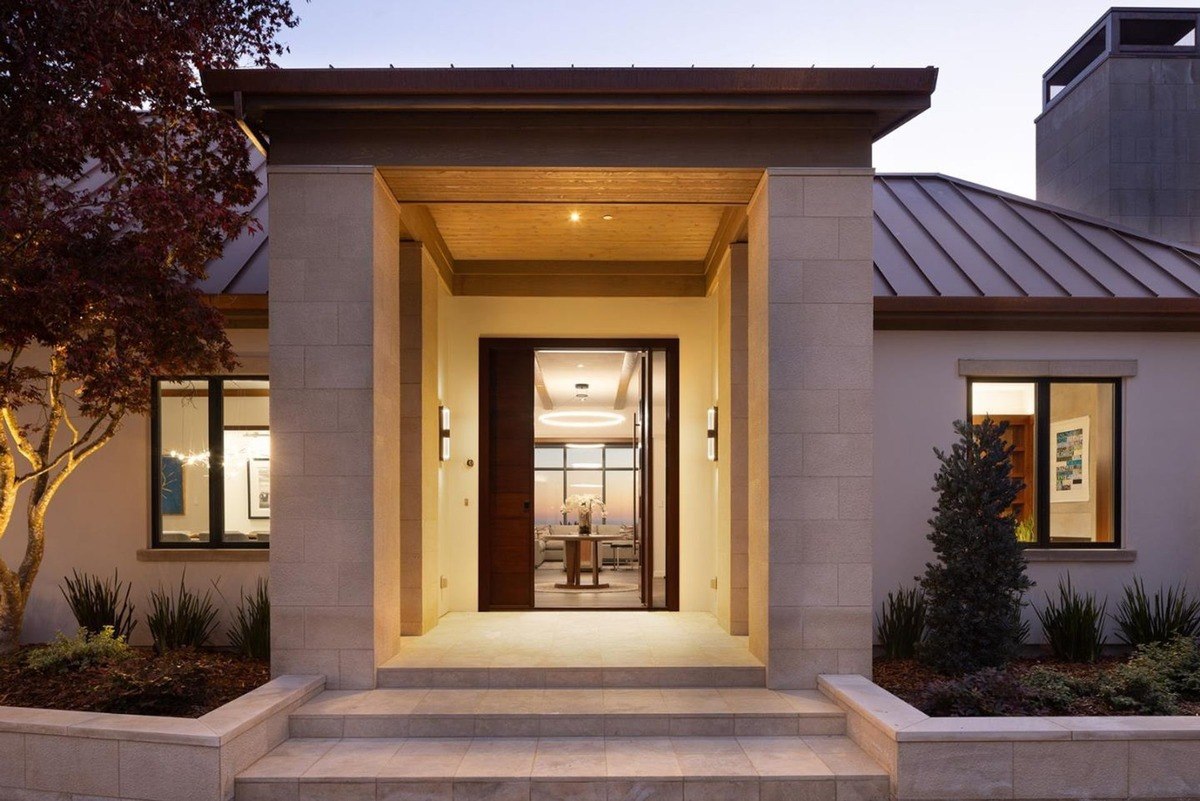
point(890, 96)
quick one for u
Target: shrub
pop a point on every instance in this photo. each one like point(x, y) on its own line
point(1052, 690)
point(974, 589)
point(1141, 621)
point(1074, 625)
point(182, 620)
point(984, 692)
point(76, 653)
point(164, 687)
point(901, 622)
point(98, 604)
point(1154, 680)
point(250, 634)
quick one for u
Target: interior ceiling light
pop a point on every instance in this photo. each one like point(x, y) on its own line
point(574, 216)
point(607, 218)
point(582, 419)
point(585, 444)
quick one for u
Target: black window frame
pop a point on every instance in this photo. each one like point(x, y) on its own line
point(1042, 386)
point(604, 468)
point(216, 450)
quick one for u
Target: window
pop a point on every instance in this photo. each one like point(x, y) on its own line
point(1066, 439)
point(210, 450)
point(583, 469)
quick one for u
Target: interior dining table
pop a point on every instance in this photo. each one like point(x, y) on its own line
point(571, 559)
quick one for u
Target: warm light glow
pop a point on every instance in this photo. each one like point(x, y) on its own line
point(444, 434)
point(607, 217)
point(587, 466)
point(1002, 398)
point(585, 444)
point(198, 457)
point(574, 216)
point(582, 419)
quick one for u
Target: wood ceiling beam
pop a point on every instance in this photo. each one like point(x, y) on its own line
point(419, 222)
point(627, 367)
point(539, 383)
point(544, 267)
point(566, 285)
point(732, 228)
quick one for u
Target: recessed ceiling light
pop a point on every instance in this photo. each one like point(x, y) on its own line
point(574, 216)
point(607, 217)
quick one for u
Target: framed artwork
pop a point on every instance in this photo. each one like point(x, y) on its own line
point(170, 489)
point(1069, 479)
point(258, 478)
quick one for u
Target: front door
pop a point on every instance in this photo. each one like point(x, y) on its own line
point(506, 476)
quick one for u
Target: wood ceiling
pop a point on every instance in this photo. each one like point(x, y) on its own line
point(514, 231)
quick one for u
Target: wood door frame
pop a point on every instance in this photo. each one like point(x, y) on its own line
point(671, 349)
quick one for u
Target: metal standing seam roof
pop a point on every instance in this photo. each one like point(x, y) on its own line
point(937, 236)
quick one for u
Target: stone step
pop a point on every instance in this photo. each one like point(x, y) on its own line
point(736, 675)
point(574, 768)
point(611, 712)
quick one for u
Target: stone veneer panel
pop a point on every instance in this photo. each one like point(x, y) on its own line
point(735, 444)
point(810, 378)
point(419, 436)
point(335, 550)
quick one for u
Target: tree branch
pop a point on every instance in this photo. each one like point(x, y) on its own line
point(24, 446)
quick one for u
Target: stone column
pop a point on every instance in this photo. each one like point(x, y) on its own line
point(810, 443)
point(419, 433)
point(733, 547)
point(334, 306)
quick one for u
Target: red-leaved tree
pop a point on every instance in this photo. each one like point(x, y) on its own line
point(118, 183)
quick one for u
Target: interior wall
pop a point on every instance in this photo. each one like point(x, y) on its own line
point(920, 394)
point(100, 519)
point(463, 320)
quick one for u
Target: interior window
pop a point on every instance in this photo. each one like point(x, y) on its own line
point(1065, 436)
point(212, 455)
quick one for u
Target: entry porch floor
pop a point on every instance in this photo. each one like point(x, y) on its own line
point(597, 648)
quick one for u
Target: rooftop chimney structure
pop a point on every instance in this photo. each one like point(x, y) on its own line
point(1119, 133)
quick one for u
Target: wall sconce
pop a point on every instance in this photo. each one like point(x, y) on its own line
point(443, 434)
point(712, 434)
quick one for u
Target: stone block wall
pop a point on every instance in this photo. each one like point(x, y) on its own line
point(810, 442)
point(334, 306)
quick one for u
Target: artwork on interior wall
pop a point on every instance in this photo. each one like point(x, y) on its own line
point(258, 477)
point(1069, 454)
point(170, 491)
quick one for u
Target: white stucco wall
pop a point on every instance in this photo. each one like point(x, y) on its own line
point(101, 517)
point(919, 394)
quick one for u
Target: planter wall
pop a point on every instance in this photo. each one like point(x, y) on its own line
point(1025, 758)
point(47, 753)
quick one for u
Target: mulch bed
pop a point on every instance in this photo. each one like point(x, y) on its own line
point(185, 683)
point(909, 680)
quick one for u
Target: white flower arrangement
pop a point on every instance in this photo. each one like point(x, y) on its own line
point(575, 504)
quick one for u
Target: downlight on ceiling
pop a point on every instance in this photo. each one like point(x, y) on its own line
point(582, 419)
point(574, 217)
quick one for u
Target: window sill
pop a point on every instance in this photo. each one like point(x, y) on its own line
point(1080, 555)
point(203, 554)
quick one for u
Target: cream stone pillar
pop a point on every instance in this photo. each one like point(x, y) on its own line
point(419, 435)
point(335, 428)
point(732, 544)
point(810, 445)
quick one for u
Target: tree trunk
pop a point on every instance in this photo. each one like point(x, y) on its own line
point(12, 611)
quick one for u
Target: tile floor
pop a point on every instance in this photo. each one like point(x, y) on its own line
point(585, 639)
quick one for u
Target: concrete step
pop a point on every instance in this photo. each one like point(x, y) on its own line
point(562, 769)
point(480, 677)
point(601, 712)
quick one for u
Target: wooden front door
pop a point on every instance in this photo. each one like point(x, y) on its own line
point(506, 476)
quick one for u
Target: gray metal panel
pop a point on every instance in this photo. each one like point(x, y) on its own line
point(937, 235)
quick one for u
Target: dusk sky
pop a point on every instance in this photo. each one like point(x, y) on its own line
point(991, 55)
